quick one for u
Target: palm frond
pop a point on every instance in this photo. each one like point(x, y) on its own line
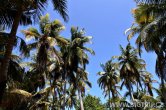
point(61, 7)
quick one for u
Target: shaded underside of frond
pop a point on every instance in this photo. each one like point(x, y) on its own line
point(151, 1)
point(61, 7)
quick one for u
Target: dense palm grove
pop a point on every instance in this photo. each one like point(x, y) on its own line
point(50, 71)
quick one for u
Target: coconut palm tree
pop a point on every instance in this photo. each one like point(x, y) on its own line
point(13, 64)
point(130, 67)
point(49, 96)
point(71, 99)
point(160, 94)
point(149, 19)
point(151, 33)
point(6, 16)
point(75, 59)
point(15, 12)
point(81, 84)
point(80, 57)
point(143, 19)
point(109, 79)
point(148, 82)
point(45, 40)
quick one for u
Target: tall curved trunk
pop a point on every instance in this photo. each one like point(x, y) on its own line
point(163, 90)
point(131, 95)
point(9, 48)
point(130, 92)
point(64, 88)
point(81, 101)
point(162, 72)
point(109, 97)
point(64, 93)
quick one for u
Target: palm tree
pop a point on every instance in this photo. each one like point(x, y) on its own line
point(33, 79)
point(151, 29)
point(20, 43)
point(75, 58)
point(109, 79)
point(81, 83)
point(49, 96)
point(142, 20)
point(80, 57)
point(45, 40)
point(7, 19)
point(160, 94)
point(130, 67)
point(15, 86)
point(71, 99)
point(46, 64)
point(151, 18)
point(147, 80)
point(15, 12)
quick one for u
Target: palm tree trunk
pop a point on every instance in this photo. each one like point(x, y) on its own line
point(81, 101)
point(130, 92)
point(64, 91)
point(137, 87)
point(53, 104)
point(109, 97)
point(132, 98)
point(64, 76)
point(9, 48)
point(113, 94)
point(163, 90)
point(162, 83)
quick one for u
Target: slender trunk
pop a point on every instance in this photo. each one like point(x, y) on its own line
point(130, 92)
point(64, 92)
point(113, 94)
point(9, 48)
point(137, 87)
point(81, 101)
point(53, 96)
point(163, 90)
point(109, 98)
point(162, 83)
point(132, 98)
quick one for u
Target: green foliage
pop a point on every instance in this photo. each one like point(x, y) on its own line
point(31, 10)
point(48, 67)
point(109, 78)
point(92, 103)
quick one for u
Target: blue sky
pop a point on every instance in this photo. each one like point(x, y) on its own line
point(106, 21)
